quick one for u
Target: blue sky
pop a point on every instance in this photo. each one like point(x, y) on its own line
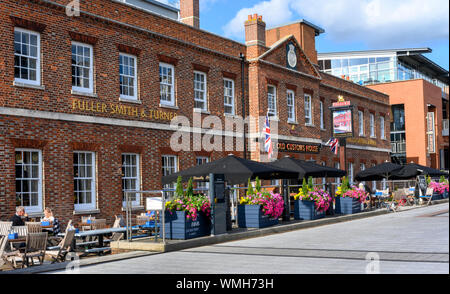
point(349, 24)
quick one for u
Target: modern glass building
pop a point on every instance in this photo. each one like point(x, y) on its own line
point(407, 76)
point(382, 66)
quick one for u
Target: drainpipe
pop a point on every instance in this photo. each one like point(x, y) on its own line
point(242, 56)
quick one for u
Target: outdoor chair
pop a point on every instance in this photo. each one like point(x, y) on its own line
point(5, 256)
point(427, 197)
point(121, 221)
point(22, 231)
point(399, 199)
point(99, 224)
point(58, 253)
point(5, 227)
point(35, 248)
point(382, 196)
point(116, 236)
point(34, 227)
point(142, 219)
point(84, 220)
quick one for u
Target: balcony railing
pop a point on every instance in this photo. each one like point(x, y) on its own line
point(445, 127)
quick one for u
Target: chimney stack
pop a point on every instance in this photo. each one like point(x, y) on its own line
point(190, 12)
point(255, 36)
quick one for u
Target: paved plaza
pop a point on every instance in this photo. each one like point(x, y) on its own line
point(410, 242)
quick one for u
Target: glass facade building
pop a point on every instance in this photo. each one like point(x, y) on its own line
point(381, 66)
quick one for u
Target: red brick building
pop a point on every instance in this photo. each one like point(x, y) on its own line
point(86, 101)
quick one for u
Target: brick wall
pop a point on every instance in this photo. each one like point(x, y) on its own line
point(188, 49)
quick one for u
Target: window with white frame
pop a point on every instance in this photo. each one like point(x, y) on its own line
point(202, 185)
point(84, 180)
point(361, 123)
point(128, 76)
point(131, 178)
point(27, 56)
point(324, 180)
point(228, 96)
point(308, 110)
point(272, 100)
point(200, 91)
point(82, 67)
point(28, 166)
point(350, 173)
point(167, 84)
point(372, 125)
point(291, 105)
point(338, 166)
point(362, 167)
point(322, 122)
point(169, 166)
point(382, 133)
point(374, 183)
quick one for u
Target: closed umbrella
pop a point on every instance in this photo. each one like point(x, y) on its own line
point(235, 169)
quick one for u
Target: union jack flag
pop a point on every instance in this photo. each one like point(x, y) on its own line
point(268, 142)
point(334, 145)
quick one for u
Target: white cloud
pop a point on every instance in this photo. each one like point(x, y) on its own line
point(381, 23)
point(273, 11)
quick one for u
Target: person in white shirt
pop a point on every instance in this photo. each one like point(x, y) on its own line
point(48, 217)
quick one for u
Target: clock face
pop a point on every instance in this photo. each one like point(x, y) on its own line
point(292, 57)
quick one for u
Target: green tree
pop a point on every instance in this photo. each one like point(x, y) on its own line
point(310, 184)
point(190, 188)
point(258, 185)
point(250, 188)
point(304, 187)
point(345, 184)
point(179, 187)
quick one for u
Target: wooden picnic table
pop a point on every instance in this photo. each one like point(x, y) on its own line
point(99, 233)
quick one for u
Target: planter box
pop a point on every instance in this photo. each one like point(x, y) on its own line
point(306, 210)
point(446, 194)
point(347, 205)
point(180, 228)
point(251, 216)
point(436, 196)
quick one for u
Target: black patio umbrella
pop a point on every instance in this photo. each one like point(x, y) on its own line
point(378, 172)
point(412, 170)
point(307, 169)
point(235, 169)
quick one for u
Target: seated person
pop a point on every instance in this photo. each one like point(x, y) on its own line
point(20, 217)
point(48, 217)
point(151, 214)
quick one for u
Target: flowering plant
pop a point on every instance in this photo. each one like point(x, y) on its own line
point(343, 188)
point(356, 193)
point(191, 205)
point(439, 188)
point(321, 198)
point(272, 204)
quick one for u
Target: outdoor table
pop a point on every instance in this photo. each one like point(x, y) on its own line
point(21, 239)
point(99, 233)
